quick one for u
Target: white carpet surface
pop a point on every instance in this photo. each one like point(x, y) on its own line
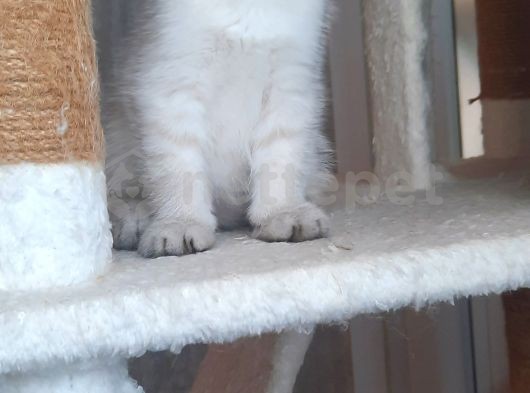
point(54, 226)
point(98, 377)
point(380, 257)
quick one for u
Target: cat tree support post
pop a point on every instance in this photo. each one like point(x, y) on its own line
point(54, 229)
point(396, 37)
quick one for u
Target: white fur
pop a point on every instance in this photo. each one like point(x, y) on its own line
point(224, 100)
point(54, 226)
point(103, 376)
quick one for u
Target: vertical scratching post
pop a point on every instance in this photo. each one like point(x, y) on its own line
point(396, 37)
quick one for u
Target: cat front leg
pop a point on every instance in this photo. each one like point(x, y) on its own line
point(279, 210)
point(282, 162)
point(179, 189)
point(285, 151)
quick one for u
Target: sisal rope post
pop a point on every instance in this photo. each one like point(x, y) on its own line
point(48, 83)
point(54, 226)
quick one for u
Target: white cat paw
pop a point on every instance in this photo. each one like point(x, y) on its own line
point(126, 234)
point(306, 222)
point(175, 238)
point(127, 226)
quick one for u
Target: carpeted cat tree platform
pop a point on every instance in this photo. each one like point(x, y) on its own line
point(71, 312)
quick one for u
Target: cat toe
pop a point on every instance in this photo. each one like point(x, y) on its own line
point(128, 223)
point(125, 236)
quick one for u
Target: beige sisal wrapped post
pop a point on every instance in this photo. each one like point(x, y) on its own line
point(54, 228)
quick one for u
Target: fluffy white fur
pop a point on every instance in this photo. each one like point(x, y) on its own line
point(91, 377)
point(220, 102)
point(54, 226)
point(475, 243)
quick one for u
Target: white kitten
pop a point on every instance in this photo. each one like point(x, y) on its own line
point(220, 103)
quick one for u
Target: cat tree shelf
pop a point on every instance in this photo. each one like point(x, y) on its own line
point(380, 257)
